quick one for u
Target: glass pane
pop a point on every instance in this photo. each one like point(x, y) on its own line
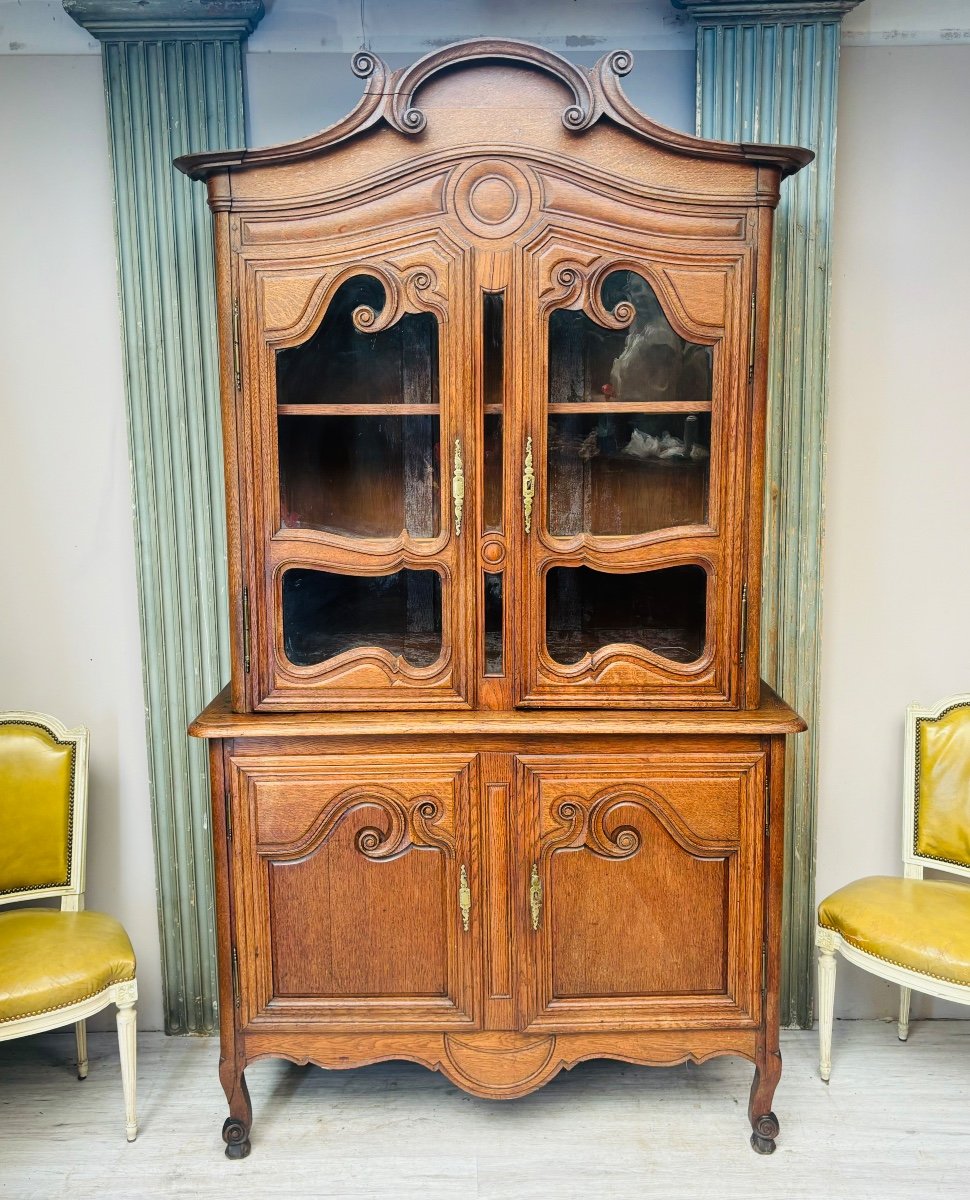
point(325, 614)
point(493, 320)
point(663, 611)
point(646, 362)
point(360, 476)
point(627, 473)
point(494, 657)
point(342, 365)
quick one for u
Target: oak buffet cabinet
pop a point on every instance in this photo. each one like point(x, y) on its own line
point(496, 786)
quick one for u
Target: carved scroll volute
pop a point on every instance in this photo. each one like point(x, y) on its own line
point(392, 825)
point(579, 286)
point(294, 303)
point(587, 825)
point(596, 824)
point(409, 824)
point(416, 292)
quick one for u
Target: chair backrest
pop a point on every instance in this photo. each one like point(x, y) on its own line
point(43, 808)
point(936, 820)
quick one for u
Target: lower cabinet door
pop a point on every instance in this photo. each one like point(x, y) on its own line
point(354, 893)
point(646, 885)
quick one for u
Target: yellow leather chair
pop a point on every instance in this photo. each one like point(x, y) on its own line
point(57, 966)
point(911, 931)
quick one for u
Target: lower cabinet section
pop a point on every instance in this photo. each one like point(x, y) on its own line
point(498, 908)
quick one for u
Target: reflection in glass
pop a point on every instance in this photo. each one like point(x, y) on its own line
point(360, 476)
point(662, 610)
point(494, 657)
point(493, 364)
point(646, 362)
point(325, 614)
point(626, 473)
point(342, 365)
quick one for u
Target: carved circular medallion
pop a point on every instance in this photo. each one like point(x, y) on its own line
point(493, 199)
point(493, 552)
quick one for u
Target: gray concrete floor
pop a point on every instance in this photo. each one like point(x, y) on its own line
point(895, 1122)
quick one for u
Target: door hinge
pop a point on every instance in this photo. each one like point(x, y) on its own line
point(235, 977)
point(228, 800)
point(237, 379)
point(751, 333)
point(764, 971)
point(742, 647)
point(245, 630)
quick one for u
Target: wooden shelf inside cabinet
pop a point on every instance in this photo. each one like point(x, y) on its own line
point(578, 407)
point(358, 410)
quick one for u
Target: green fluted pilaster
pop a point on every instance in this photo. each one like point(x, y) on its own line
point(768, 72)
point(173, 82)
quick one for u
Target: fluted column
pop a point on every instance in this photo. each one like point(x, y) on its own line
point(173, 84)
point(767, 71)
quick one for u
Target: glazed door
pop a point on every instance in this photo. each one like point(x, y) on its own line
point(362, 900)
point(357, 443)
point(645, 888)
point(633, 463)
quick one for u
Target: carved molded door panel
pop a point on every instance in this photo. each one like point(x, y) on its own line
point(646, 909)
point(363, 896)
point(637, 353)
point(357, 435)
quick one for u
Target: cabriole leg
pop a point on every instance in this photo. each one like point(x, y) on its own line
point(827, 943)
point(235, 1130)
point(764, 1123)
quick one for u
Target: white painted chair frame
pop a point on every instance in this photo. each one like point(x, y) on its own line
point(124, 995)
point(829, 942)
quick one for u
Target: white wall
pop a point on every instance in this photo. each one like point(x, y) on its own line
point(897, 560)
point(69, 641)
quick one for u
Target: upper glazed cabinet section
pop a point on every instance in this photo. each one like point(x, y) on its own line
point(493, 395)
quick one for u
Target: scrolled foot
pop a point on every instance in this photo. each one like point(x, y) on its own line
point(236, 1136)
point(765, 1132)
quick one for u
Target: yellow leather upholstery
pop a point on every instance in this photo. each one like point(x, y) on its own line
point(923, 924)
point(943, 792)
point(35, 807)
point(49, 959)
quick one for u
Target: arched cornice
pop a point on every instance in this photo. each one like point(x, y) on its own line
point(595, 95)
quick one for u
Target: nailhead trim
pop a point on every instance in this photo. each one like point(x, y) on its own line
point(58, 883)
point(894, 962)
point(70, 1003)
point(920, 722)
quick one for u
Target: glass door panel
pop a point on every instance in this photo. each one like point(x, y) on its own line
point(326, 614)
point(361, 476)
point(365, 553)
point(629, 425)
point(493, 375)
point(622, 576)
point(663, 611)
point(620, 473)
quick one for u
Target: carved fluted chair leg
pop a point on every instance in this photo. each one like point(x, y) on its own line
point(81, 1035)
point(127, 1046)
point(904, 997)
point(827, 943)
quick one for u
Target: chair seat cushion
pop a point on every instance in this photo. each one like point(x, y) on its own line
point(922, 924)
point(49, 959)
